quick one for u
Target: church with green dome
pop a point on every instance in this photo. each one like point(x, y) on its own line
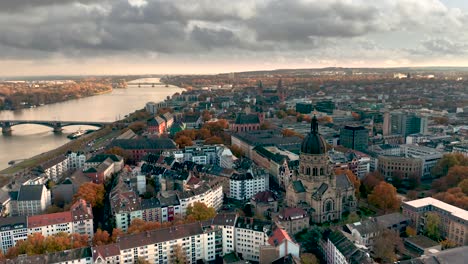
point(315, 187)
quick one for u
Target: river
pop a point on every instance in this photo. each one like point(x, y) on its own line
point(26, 141)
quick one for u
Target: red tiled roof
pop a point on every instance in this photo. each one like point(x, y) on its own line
point(81, 210)
point(106, 251)
point(265, 197)
point(49, 219)
point(287, 213)
point(278, 236)
point(193, 180)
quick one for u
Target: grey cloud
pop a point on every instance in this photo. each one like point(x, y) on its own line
point(109, 27)
point(445, 46)
point(20, 5)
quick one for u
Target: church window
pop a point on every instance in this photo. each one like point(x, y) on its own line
point(329, 206)
point(308, 171)
point(343, 200)
point(314, 171)
point(321, 171)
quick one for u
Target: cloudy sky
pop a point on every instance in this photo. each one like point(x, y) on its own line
point(41, 37)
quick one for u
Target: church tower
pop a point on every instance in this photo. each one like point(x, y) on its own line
point(313, 158)
point(317, 189)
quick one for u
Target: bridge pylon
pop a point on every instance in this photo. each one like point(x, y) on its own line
point(6, 128)
point(58, 128)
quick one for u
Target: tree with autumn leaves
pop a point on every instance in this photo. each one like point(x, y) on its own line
point(92, 193)
point(384, 196)
point(199, 211)
point(37, 244)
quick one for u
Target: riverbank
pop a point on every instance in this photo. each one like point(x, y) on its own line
point(28, 140)
point(23, 95)
point(74, 145)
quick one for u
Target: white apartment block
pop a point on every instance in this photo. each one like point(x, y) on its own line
point(76, 160)
point(158, 246)
point(211, 196)
point(12, 229)
point(194, 242)
point(78, 220)
point(53, 169)
point(29, 200)
point(250, 234)
point(244, 186)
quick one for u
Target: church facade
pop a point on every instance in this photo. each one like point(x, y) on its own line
point(316, 188)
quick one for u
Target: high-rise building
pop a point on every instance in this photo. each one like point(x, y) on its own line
point(304, 108)
point(407, 123)
point(386, 128)
point(325, 106)
point(354, 137)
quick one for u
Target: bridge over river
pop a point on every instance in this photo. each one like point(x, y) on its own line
point(56, 125)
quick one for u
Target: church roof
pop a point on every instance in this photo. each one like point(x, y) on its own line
point(342, 181)
point(314, 143)
point(298, 187)
point(247, 119)
point(321, 190)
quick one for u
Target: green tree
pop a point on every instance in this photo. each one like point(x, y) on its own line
point(433, 226)
point(199, 211)
point(311, 240)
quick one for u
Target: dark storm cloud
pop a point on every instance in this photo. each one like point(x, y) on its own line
point(98, 28)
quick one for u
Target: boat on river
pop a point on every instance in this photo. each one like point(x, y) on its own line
point(76, 134)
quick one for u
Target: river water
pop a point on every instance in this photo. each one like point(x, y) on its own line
point(29, 140)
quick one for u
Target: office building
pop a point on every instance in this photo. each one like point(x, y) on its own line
point(354, 137)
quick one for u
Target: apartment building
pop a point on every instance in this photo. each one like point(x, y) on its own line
point(29, 200)
point(243, 186)
point(12, 229)
point(78, 220)
point(54, 168)
point(453, 220)
point(251, 239)
point(250, 235)
point(76, 160)
point(338, 249)
point(211, 195)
